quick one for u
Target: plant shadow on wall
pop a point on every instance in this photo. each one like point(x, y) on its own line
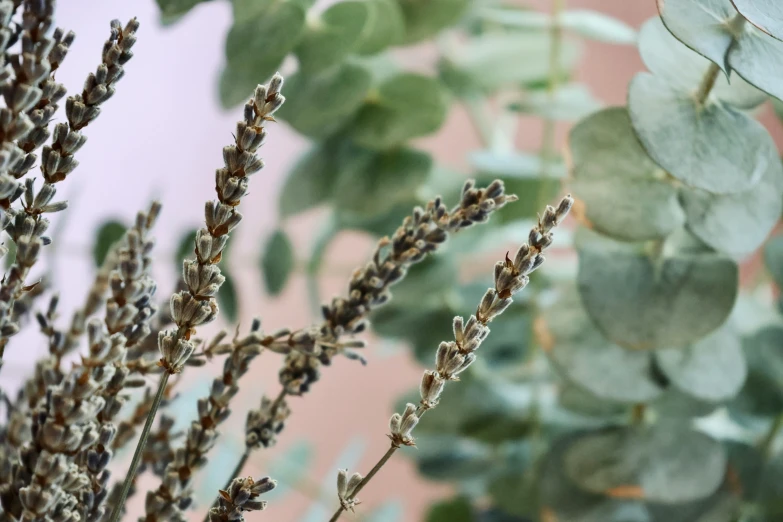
point(635, 386)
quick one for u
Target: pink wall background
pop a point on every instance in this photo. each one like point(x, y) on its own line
point(161, 137)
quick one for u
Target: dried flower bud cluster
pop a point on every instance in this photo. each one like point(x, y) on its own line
point(420, 234)
point(73, 424)
point(454, 357)
point(196, 305)
point(401, 426)
point(266, 422)
point(241, 496)
point(43, 111)
point(346, 489)
point(173, 493)
point(32, 69)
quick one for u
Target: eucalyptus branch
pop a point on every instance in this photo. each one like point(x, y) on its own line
point(707, 83)
point(553, 79)
point(454, 357)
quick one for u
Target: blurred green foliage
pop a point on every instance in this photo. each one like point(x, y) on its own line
point(624, 388)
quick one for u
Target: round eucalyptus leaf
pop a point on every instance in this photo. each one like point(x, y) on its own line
point(562, 499)
point(514, 493)
point(721, 506)
point(425, 18)
point(711, 369)
point(584, 22)
point(310, 182)
point(758, 58)
point(760, 477)
point(176, 8)
point(570, 102)
point(328, 40)
point(598, 26)
point(578, 400)
point(227, 298)
point(737, 224)
point(773, 258)
point(767, 15)
point(382, 180)
point(277, 262)
point(446, 457)
point(712, 147)
point(455, 510)
point(644, 301)
point(385, 27)
point(109, 233)
point(677, 405)
point(406, 106)
point(269, 35)
point(702, 25)
point(237, 83)
point(762, 393)
point(520, 165)
point(667, 57)
point(325, 101)
point(667, 462)
point(621, 191)
point(586, 358)
point(424, 328)
point(494, 60)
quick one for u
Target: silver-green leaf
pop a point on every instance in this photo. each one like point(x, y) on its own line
point(621, 191)
point(712, 147)
point(644, 299)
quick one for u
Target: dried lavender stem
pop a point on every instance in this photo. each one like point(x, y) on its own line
point(116, 514)
point(365, 480)
point(196, 305)
point(237, 470)
point(248, 449)
point(453, 358)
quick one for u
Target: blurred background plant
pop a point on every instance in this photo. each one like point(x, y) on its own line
point(601, 394)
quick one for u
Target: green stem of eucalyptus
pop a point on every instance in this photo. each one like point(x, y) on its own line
point(765, 446)
point(366, 479)
point(707, 83)
point(116, 514)
point(324, 238)
point(638, 413)
point(477, 114)
point(548, 132)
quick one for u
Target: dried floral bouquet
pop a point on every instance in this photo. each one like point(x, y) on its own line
point(65, 423)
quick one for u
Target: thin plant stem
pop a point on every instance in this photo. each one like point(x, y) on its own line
point(315, 264)
point(279, 399)
point(237, 470)
point(765, 446)
point(707, 83)
point(145, 432)
point(638, 413)
point(366, 479)
point(477, 115)
point(553, 80)
point(246, 455)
